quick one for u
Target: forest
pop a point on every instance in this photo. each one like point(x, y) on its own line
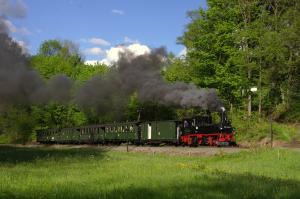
point(248, 50)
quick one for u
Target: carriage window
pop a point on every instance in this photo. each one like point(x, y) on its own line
point(186, 124)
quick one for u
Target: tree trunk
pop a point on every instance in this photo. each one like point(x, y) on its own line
point(249, 105)
point(260, 92)
point(249, 95)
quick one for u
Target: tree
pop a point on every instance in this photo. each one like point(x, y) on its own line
point(57, 57)
point(86, 72)
point(177, 70)
point(234, 45)
point(210, 43)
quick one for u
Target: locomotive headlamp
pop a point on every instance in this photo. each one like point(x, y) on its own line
point(223, 109)
point(253, 89)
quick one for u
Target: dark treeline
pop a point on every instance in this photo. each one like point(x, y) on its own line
point(232, 46)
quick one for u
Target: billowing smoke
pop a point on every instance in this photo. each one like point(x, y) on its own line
point(19, 84)
point(142, 74)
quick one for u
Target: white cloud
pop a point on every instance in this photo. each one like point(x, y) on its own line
point(128, 40)
point(99, 41)
point(24, 46)
point(95, 41)
point(113, 54)
point(94, 51)
point(118, 12)
point(12, 28)
point(92, 62)
point(138, 49)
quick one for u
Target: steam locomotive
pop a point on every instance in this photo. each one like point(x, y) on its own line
point(199, 130)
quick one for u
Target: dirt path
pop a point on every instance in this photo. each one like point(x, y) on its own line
point(170, 150)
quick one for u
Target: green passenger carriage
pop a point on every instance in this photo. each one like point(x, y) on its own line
point(134, 132)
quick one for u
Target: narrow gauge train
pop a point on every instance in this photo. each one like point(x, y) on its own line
point(199, 130)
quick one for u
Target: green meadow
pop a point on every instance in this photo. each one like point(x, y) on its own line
point(94, 173)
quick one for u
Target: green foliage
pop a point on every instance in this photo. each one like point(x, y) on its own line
point(86, 72)
point(95, 173)
point(57, 57)
point(235, 45)
point(51, 66)
point(133, 110)
point(18, 124)
point(209, 39)
point(177, 70)
point(58, 116)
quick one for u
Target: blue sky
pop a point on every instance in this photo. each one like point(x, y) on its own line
point(153, 23)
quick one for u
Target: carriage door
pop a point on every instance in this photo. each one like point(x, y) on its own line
point(149, 131)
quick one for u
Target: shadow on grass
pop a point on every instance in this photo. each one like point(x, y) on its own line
point(210, 186)
point(13, 155)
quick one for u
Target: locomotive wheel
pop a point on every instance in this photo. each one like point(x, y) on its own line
point(194, 141)
point(204, 141)
point(233, 144)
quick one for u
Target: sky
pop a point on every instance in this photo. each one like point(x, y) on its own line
point(98, 27)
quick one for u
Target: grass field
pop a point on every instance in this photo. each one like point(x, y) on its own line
point(93, 173)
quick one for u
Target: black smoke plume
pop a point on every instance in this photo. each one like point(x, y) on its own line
point(142, 74)
point(19, 83)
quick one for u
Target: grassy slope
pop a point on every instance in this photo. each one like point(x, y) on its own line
point(4, 139)
point(91, 173)
point(255, 130)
